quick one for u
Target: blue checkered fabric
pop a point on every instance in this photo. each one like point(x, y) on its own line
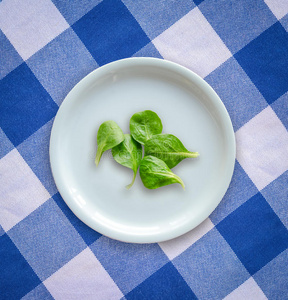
point(240, 47)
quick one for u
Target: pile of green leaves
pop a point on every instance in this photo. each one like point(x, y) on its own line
point(162, 152)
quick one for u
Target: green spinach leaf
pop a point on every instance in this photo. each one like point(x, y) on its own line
point(168, 148)
point(109, 135)
point(155, 173)
point(144, 125)
point(128, 154)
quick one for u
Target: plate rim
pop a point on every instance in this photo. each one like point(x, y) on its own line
point(125, 236)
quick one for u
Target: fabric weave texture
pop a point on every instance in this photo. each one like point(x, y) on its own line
point(240, 47)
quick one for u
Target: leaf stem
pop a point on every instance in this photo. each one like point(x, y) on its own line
point(180, 181)
point(98, 155)
point(192, 154)
point(185, 154)
point(130, 185)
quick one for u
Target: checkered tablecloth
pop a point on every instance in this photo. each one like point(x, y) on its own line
point(240, 48)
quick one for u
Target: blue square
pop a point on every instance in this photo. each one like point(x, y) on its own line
point(276, 194)
point(61, 64)
point(240, 96)
point(237, 22)
point(16, 277)
point(73, 10)
point(240, 190)
point(166, 283)
point(88, 234)
point(40, 292)
point(9, 57)
point(273, 278)
point(255, 233)
point(210, 267)
point(148, 51)
point(47, 239)
point(25, 105)
point(157, 16)
point(136, 261)
point(197, 2)
point(110, 32)
point(265, 60)
point(38, 160)
point(280, 106)
point(6, 145)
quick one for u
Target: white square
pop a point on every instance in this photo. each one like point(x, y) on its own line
point(30, 24)
point(21, 192)
point(193, 43)
point(249, 290)
point(262, 148)
point(278, 7)
point(83, 277)
point(176, 246)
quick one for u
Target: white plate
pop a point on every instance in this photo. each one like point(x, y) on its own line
point(189, 109)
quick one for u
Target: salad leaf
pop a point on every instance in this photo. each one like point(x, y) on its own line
point(168, 148)
point(144, 124)
point(109, 135)
point(128, 154)
point(155, 173)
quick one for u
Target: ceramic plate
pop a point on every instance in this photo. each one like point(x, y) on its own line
point(189, 108)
